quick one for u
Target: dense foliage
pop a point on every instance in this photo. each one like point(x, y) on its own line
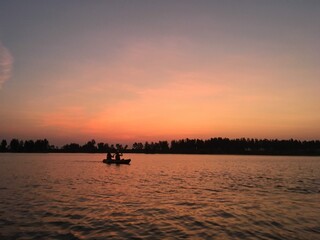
point(186, 146)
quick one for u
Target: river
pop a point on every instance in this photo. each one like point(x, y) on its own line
point(76, 196)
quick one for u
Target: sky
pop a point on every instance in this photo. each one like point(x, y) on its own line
point(144, 70)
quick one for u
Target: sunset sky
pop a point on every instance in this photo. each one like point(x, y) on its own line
point(126, 71)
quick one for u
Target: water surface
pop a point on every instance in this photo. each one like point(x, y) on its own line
point(76, 196)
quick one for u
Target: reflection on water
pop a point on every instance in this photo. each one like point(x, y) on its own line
point(76, 196)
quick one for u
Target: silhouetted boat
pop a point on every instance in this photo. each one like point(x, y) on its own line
point(123, 161)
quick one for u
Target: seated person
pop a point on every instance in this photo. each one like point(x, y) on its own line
point(118, 156)
point(109, 156)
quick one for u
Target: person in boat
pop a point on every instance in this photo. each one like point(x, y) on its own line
point(118, 156)
point(109, 156)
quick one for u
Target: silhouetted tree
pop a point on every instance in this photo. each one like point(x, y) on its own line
point(137, 147)
point(72, 147)
point(147, 147)
point(16, 145)
point(90, 146)
point(3, 147)
point(164, 146)
point(42, 145)
point(29, 146)
point(103, 147)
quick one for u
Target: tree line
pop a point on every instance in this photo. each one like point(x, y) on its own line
point(43, 145)
point(182, 146)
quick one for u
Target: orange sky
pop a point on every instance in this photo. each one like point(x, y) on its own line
point(166, 79)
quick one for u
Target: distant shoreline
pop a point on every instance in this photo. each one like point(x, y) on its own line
point(212, 146)
point(209, 154)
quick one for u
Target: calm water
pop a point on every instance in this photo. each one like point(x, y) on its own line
point(76, 196)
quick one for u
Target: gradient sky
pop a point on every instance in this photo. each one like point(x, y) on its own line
point(125, 71)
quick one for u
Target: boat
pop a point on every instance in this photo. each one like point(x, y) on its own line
point(122, 161)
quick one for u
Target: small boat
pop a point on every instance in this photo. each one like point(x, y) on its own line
point(122, 161)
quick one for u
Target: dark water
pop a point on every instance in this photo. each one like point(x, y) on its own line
point(76, 196)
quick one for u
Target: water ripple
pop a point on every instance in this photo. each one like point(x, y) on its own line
point(210, 197)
